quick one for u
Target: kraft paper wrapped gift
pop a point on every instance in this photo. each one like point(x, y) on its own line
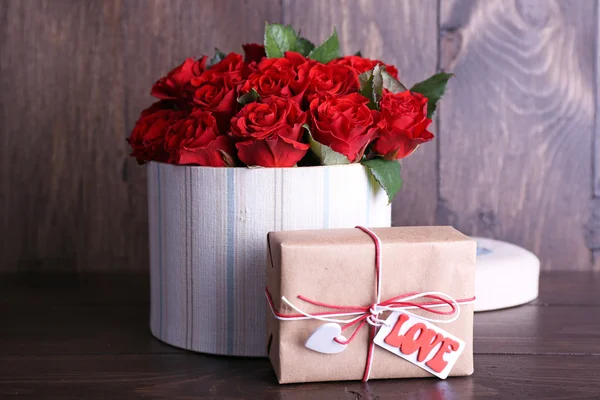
point(337, 267)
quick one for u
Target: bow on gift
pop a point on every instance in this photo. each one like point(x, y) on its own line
point(360, 316)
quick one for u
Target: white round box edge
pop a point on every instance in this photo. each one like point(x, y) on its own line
point(506, 275)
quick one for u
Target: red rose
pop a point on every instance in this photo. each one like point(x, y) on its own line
point(253, 52)
point(360, 64)
point(176, 83)
point(302, 67)
point(218, 99)
point(297, 59)
point(343, 123)
point(227, 72)
point(270, 133)
point(402, 125)
point(148, 136)
point(331, 80)
point(196, 140)
point(272, 77)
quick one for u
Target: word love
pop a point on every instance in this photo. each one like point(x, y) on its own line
point(421, 343)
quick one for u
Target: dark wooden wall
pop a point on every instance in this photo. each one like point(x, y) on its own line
point(517, 155)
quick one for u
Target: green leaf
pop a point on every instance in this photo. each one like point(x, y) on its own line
point(279, 39)
point(219, 55)
point(366, 84)
point(249, 97)
point(304, 46)
point(371, 86)
point(392, 84)
point(432, 88)
point(387, 174)
point(377, 85)
point(325, 154)
point(363, 78)
point(328, 50)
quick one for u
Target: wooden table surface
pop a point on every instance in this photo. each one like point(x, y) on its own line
point(88, 338)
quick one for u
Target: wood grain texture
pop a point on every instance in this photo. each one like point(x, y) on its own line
point(597, 115)
point(109, 329)
point(516, 125)
point(75, 312)
point(117, 329)
point(189, 376)
point(535, 329)
point(569, 288)
point(77, 342)
point(55, 289)
point(159, 35)
point(63, 202)
point(380, 32)
point(592, 232)
point(594, 224)
point(520, 153)
point(74, 77)
point(558, 288)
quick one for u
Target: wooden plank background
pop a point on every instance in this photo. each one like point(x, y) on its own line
point(517, 154)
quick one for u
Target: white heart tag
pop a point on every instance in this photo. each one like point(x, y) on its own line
point(322, 341)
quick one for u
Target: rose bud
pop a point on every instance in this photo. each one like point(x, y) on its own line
point(302, 67)
point(331, 80)
point(269, 133)
point(344, 123)
point(227, 72)
point(175, 85)
point(148, 136)
point(402, 124)
point(272, 77)
point(195, 140)
point(222, 102)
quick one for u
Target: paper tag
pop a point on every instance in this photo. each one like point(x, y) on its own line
point(420, 342)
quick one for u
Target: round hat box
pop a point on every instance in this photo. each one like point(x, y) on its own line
point(208, 243)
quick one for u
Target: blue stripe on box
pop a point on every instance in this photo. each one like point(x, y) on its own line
point(160, 292)
point(230, 258)
point(326, 198)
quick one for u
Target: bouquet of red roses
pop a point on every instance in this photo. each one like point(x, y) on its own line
point(287, 103)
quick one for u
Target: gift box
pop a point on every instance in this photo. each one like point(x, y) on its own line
point(352, 304)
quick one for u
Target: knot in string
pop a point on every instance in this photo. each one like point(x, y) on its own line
point(372, 319)
point(360, 316)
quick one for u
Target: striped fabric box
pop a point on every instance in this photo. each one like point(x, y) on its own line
point(208, 230)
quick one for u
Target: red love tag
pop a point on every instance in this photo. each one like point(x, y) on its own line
point(420, 342)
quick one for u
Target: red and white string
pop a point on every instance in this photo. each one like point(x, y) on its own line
point(363, 315)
